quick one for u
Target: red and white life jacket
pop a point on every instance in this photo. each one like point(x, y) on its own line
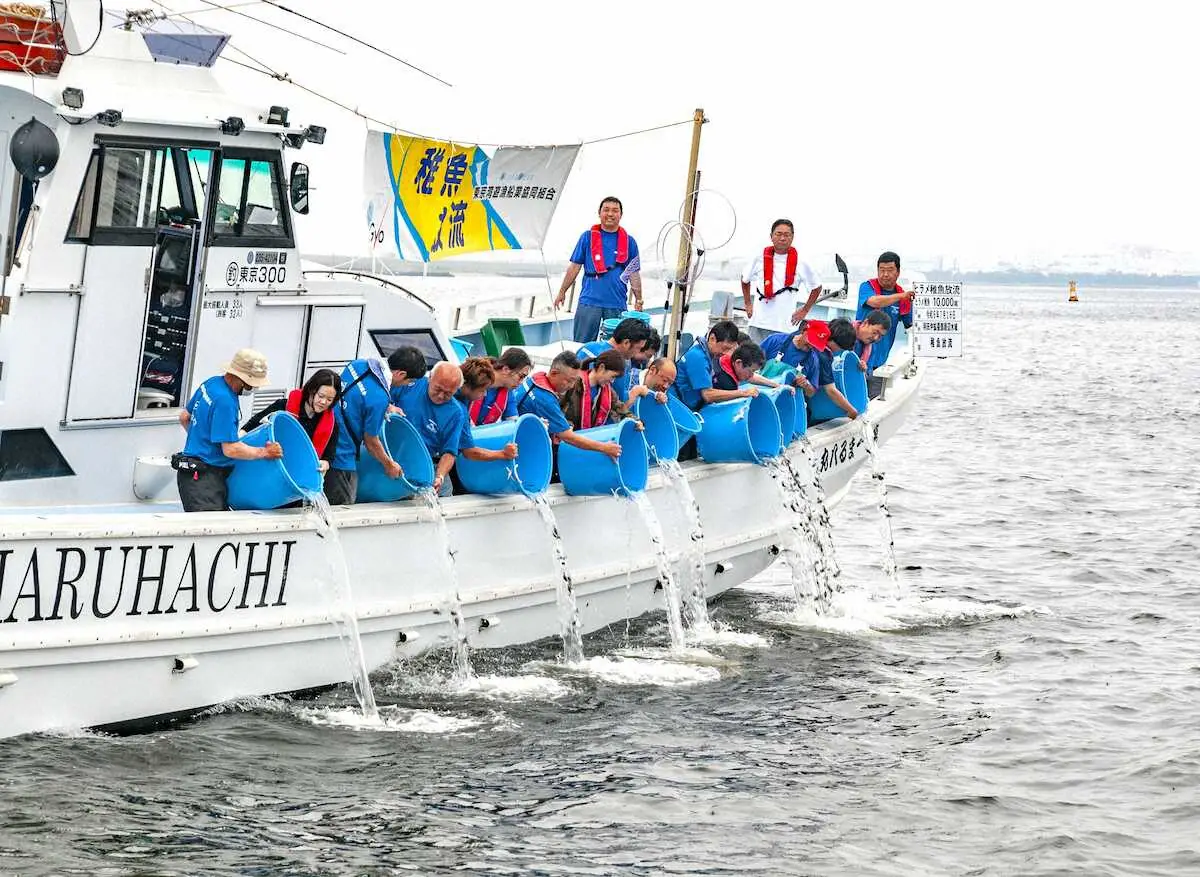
point(494, 412)
point(598, 265)
point(603, 406)
point(905, 304)
point(789, 274)
point(324, 430)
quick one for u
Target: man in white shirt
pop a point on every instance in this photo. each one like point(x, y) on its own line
point(771, 284)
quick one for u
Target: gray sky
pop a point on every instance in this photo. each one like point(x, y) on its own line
point(929, 127)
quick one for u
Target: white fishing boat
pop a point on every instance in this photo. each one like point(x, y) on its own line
point(161, 239)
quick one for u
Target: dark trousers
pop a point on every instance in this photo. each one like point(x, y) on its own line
point(203, 491)
point(688, 451)
point(341, 486)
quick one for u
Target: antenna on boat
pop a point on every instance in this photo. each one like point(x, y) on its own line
point(685, 240)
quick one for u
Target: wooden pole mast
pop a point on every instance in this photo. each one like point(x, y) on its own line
point(685, 244)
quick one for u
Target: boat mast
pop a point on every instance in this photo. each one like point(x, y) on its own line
point(691, 196)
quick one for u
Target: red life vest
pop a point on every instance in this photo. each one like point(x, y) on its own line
point(541, 379)
point(905, 304)
point(598, 249)
point(726, 364)
point(605, 405)
point(324, 430)
point(789, 274)
point(494, 412)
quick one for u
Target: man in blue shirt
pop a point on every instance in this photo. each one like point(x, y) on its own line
point(801, 350)
point(360, 414)
point(609, 259)
point(694, 370)
point(211, 419)
point(629, 339)
point(442, 422)
point(884, 294)
point(540, 395)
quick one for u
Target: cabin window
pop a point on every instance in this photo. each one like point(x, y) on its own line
point(30, 453)
point(250, 204)
point(128, 191)
point(388, 340)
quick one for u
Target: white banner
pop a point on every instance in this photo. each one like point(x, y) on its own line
point(937, 319)
point(432, 199)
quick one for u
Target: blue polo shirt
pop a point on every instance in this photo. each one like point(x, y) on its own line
point(883, 347)
point(622, 384)
point(362, 412)
point(605, 290)
point(215, 417)
point(807, 361)
point(441, 426)
point(532, 399)
point(694, 372)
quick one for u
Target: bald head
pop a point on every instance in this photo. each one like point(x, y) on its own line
point(660, 374)
point(444, 381)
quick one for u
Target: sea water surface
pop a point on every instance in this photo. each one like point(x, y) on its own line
point(1031, 706)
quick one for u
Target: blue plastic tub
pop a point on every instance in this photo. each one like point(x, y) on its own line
point(269, 484)
point(784, 399)
point(529, 473)
point(687, 421)
point(786, 376)
point(607, 327)
point(658, 428)
point(402, 441)
point(591, 473)
point(636, 315)
point(850, 380)
point(462, 349)
point(740, 431)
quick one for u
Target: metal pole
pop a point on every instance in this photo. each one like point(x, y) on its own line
point(685, 246)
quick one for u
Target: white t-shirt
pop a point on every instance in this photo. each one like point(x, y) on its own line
point(776, 314)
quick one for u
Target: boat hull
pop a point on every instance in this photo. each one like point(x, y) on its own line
point(122, 619)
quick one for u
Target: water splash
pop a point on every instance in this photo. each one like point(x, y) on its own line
point(654, 529)
point(697, 602)
point(568, 609)
point(458, 625)
point(888, 542)
point(829, 572)
point(807, 570)
point(345, 622)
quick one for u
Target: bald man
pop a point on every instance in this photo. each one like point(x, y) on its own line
point(430, 406)
point(656, 379)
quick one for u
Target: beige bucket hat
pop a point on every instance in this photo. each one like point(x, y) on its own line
point(249, 365)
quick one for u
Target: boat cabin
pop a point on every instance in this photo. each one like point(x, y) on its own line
point(148, 226)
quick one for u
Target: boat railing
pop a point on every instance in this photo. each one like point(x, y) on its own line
point(522, 305)
point(363, 277)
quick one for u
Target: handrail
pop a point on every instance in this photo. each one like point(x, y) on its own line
point(360, 276)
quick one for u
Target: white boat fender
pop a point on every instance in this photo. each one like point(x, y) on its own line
point(7, 678)
point(407, 636)
point(488, 621)
point(183, 663)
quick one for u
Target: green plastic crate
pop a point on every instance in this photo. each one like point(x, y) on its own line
point(499, 332)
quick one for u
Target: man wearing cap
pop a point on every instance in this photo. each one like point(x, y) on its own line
point(771, 283)
point(360, 415)
point(885, 295)
point(802, 351)
point(211, 419)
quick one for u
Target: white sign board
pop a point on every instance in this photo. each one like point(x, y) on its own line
point(937, 326)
